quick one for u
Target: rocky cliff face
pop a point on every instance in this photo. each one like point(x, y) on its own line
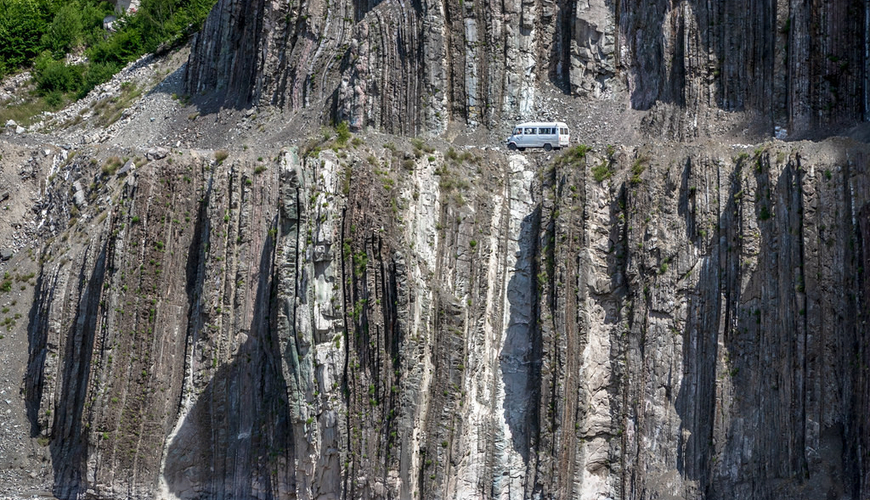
point(412, 67)
point(384, 318)
point(680, 322)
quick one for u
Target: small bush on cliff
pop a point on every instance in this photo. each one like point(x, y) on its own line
point(638, 168)
point(221, 155)
point(342, 133)
point(573, 156)
point(111, 165)
point(602, 171)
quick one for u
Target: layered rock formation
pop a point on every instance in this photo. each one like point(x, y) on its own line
point(356, 319)
point(412, 67)
point(622, 323)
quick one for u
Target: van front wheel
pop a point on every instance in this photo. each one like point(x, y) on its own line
point(512, 147)
point(548, 147)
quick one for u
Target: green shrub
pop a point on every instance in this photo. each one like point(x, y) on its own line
point(55, 76)
point(573, 155)
point(22, 25)
point(118, 50)
point(111, 165)
point(95, 74)
point(54, 98)
point(65, 31)
point(342, 132)
point(601, 172)
point(638, 168)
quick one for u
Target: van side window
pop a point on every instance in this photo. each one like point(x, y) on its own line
point(530, 131)
point(518, 131)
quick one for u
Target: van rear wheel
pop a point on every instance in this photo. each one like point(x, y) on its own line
point(512, 147)
point(548, 147)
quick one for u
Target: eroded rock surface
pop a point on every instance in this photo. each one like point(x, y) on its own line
point(363, 323)
point(412, 67)
point(191, 311)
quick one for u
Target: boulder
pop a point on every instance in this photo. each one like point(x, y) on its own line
point(156, 153)
point(127, 168)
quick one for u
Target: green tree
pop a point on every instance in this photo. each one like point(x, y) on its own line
point(22, 25)
point(41, 32)
point(55, 76)
point(65, 31)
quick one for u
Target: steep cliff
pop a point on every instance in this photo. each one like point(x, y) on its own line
point(402, 322)
point(258, 309)
point(413, 67)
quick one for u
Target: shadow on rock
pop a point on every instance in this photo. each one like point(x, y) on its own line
point(236, 440)
point(520, 356)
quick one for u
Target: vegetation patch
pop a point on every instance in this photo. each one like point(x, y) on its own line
point(111, 165)
point(25, 111)
point(602, 171)
point(110, 110)
point(573, 156)
point(39, 34)
point(638, 167)
point(342, 134)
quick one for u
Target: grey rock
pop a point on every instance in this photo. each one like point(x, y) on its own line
point(156, 153)
point(79, 197)
point(126, 168)
point(625, 323)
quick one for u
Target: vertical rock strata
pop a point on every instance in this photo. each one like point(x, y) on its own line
point(412, 67)
point(688, 325)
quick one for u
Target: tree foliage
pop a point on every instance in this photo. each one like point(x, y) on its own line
point(41, 32)
point(22, 25)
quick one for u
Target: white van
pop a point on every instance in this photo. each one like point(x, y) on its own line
point(547, 135)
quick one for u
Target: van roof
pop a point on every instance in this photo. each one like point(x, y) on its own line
point(542, 124)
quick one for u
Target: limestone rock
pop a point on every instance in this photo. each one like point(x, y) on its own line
point(156, 153)
point(660, 333)
point(410, 68)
